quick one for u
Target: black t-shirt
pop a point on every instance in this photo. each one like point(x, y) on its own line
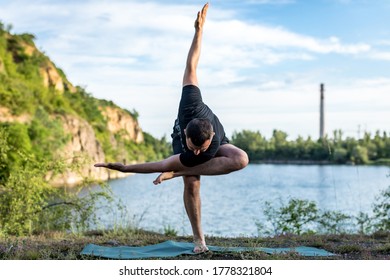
point(191, 107)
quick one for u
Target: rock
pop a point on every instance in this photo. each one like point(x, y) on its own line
point(6, 116)
point(83, 149)
point(51, 77)
point(120, 121)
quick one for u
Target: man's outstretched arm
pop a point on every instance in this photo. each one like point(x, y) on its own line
point(229, 158)
point(166, 165)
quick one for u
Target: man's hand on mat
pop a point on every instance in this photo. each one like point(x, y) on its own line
point(163, 177)
point(114, 166)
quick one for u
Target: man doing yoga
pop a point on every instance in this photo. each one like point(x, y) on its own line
point(199, 143)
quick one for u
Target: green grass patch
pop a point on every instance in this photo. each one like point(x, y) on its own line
point(67, 246)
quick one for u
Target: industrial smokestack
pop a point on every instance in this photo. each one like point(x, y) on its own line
point(322, 113)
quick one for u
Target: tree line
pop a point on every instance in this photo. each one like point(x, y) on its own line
point(370, 149)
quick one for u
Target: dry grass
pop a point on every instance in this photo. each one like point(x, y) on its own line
point(61, 246)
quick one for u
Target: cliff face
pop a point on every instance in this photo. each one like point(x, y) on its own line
point(118, 125)
point(119, 121)
point(7, 116)
point(82, 145)
point(52, 78)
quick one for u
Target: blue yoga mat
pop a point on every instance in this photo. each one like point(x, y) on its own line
point(173, 249)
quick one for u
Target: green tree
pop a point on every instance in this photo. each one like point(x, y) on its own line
point(47, 134)
point(4, 149)
point(340, 155)
point(18, 142)
point(278, 145)
point(359, 155)
point(302, 149)
point(252, 142)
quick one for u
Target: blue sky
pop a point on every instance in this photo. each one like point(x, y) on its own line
point(261, 65)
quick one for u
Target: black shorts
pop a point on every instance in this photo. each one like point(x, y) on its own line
point(177, 144)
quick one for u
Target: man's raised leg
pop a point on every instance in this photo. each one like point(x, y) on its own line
point(190, 76)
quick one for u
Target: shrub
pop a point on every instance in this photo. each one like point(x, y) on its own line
point(302, 216)
point(381, 211)
point(296, 217)
point(28, 203)
point(334, 222)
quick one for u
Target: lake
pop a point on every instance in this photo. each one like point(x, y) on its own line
point(233, 203)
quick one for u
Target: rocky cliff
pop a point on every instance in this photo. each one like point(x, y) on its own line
point(116, 128)
point(82, 144)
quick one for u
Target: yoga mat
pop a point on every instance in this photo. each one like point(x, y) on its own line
point(173, 249)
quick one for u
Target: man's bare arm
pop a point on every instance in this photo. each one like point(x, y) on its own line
point(229, 158)
point(169, 164)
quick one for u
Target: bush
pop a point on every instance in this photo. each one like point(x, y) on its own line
point(296, 217)
point(47, 134)
point(333, 222)
point(28, 203)
point(381, 211)
point(302, 216)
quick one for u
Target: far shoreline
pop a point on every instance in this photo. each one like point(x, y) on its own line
point(385, 162)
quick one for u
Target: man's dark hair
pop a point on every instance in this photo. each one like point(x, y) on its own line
point(199, 130)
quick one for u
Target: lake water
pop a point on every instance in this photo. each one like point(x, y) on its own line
point(233, 203)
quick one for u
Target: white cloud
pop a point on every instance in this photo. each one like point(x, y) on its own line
point(239, 33)
point(380, 55)
point(134, 52)
point(273, 2)
point(384, 42)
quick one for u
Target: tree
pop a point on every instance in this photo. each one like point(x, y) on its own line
point(252, 142)
point(278, 145)
point(359, 155)
point(340, 155)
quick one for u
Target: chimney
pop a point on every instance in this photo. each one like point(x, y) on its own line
point(322, 113)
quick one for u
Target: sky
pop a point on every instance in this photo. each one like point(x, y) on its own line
point(261, 65)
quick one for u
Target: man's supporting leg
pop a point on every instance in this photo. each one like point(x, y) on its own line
point(192, 203)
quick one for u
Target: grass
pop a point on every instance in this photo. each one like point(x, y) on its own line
point(66, 246)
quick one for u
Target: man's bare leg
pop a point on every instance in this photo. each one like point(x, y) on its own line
point(229, 158)
point(192, 203)
point(191, 195)
point(190, 76)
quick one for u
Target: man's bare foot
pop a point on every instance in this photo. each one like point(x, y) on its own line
point(201, 18)
point(200, 248)
point(163, 177)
